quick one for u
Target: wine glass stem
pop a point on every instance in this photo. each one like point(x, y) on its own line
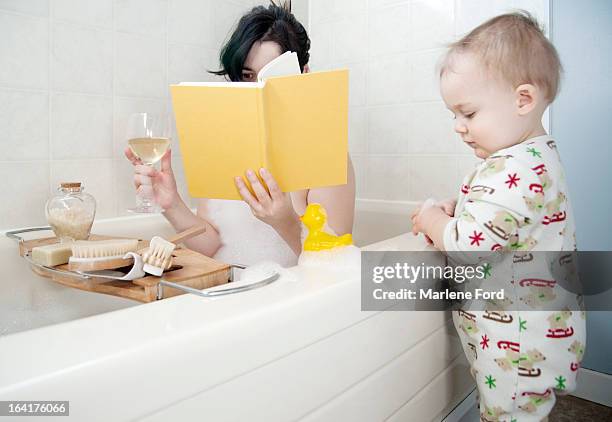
point(145, 199)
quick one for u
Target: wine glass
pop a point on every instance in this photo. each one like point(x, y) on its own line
point(148, 137)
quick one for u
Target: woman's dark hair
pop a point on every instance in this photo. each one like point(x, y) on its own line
point(273, 23)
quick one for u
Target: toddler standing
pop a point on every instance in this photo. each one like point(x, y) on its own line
point(498, 81)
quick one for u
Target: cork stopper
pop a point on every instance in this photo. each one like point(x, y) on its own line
point(70, 185)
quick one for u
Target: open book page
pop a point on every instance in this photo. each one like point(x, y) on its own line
point(294, 125)
point(223, 84)
point(286, 64)
point(307, 129)
point(220, 133)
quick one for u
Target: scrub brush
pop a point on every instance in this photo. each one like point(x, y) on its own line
point(158, 256)
point(94, 255)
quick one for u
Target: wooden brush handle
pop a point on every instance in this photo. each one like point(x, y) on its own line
point(187, 234)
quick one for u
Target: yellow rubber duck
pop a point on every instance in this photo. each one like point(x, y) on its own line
point(314, 219)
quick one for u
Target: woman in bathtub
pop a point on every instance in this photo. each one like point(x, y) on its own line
point(266, 225)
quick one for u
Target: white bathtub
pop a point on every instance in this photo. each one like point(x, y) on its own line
point(376, 220)
point(294, 350)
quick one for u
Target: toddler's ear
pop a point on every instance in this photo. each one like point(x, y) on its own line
point(527, 98)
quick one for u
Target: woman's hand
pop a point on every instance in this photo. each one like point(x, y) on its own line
point(272, 206)
point(151, 183)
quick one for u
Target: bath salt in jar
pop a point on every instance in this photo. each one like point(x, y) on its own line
point(71, 212)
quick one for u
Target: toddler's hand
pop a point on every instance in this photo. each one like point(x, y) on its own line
point(431, 220)
point(416, 227)
point(448, 206)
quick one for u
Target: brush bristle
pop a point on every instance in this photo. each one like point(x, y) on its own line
point(103, 248)
point(159, 253)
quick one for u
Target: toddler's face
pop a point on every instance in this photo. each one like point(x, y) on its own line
point(485, 109)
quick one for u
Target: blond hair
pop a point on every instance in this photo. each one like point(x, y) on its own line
point(514, 47)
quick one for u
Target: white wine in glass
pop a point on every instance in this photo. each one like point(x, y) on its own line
point(149, 150)
point(149, 138)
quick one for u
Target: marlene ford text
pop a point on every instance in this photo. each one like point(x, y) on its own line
point(407, 294)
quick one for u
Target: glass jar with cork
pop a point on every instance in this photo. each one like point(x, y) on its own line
point(71, 212)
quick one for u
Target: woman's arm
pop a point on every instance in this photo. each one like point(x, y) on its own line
point(161, 185)
point(274, 207)
point(182, 218)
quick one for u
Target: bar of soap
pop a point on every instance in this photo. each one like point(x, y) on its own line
point(52, 255)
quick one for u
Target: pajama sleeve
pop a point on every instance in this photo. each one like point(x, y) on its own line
point(499, 209)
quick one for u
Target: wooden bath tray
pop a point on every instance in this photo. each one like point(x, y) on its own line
point(190, 270)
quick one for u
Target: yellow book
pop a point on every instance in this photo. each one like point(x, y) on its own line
point(296, 126)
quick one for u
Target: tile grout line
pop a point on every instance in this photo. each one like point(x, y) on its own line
point(83, 94)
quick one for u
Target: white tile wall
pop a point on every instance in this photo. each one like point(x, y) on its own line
point(24, 52)
point(390, 124)
point(389, 30)
point(92, 13)
point(357, 83)
point(350, 39)
point(191, 63)
point(191, 22)
point(470, 13)
point(431, 25)
point(71, 72)
point(81, 59)
point(358, 130)
point(434, 176)
point(320, 45)
point(360, 167)
point(387, 177)
point(81, 127)
point(24, 115)
point(31, 7)
point(144, 17)
point(25, 187)
point(409, 150)
point(389, 79)
point(140, 66)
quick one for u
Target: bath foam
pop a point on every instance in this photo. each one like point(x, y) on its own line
point(262, 270)
point(245, 239)
point(256, 273)
point(342, 258)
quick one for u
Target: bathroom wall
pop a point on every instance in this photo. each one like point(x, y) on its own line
point(71, 71)
point(401, 136)
point(582, 33)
